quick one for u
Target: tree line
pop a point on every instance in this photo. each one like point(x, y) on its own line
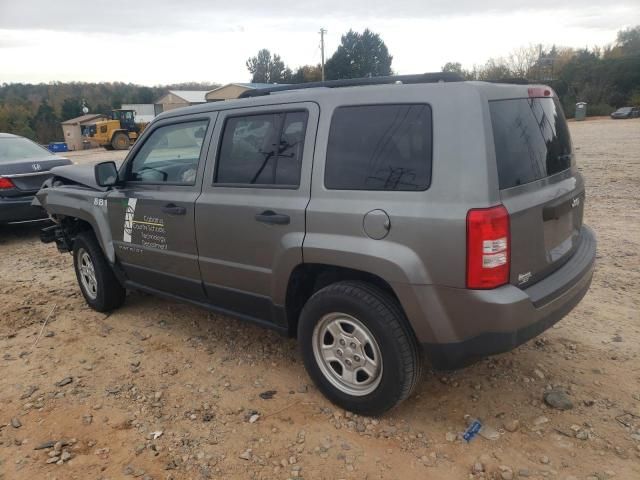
point(35, 111)
point(605, 77)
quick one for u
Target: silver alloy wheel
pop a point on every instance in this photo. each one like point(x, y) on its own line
point(87, 274)
point(347, 354)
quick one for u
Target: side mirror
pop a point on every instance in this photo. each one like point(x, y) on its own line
point(106, 174)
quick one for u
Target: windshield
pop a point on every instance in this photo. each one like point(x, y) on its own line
point(531, 139)
point(19, 148)
point(624, 110)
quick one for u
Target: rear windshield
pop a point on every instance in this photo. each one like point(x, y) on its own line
point(19, 148)
point(531, 138)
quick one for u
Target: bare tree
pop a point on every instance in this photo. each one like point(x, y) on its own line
point(494, 69)
point(522, 60)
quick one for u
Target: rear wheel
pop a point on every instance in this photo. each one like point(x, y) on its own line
point(358, 348)
point(96, 279)
point(120, 141)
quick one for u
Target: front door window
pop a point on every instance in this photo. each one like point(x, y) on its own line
point(170, 155)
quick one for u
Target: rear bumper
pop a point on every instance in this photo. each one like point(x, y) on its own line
point(19, 209)
point(472, 324)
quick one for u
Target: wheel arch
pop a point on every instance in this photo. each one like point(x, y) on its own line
point(72, 226)
point(307, 278)
point(75, 211)
point(119, 130)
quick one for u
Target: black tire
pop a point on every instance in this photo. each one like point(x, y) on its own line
point(385, 321)
point(108, 294)
point(120, 141)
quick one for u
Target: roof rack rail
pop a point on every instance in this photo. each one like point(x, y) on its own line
point(513, 80)
point(431, 77)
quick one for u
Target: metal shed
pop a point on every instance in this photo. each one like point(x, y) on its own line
point(234, 90)
point(145, 112)
point(180, 98)
point(72, 129)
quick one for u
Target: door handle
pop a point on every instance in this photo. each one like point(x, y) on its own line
point(273, 218)
point(173, 209)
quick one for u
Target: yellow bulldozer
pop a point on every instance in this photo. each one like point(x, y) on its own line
point(117, 133)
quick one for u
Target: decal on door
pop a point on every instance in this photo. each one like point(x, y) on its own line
point(151, 230)
point(128, 219)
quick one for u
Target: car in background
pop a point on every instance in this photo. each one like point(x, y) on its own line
point(24, 166)
point(626, 112)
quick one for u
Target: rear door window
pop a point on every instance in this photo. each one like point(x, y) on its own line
point(531, 139)
point(263, 149)
point(379, 147)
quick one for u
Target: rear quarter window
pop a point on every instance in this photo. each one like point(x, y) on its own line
point(531, 139)
point(380, 147)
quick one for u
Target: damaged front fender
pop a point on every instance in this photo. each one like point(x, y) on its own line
point(64, 201)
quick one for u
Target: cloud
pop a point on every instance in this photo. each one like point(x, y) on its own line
point(14, 41)
point(207, 15)
point(612, 18)
point(192, 41)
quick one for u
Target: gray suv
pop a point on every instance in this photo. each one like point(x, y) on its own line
point(373, 219)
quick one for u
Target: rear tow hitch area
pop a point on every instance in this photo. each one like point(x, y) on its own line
point(55, 233)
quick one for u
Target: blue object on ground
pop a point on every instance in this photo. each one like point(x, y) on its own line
point(58, 147)
point(472, 431)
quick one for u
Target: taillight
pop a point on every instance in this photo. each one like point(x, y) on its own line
point(488, 249)
point(6, 183)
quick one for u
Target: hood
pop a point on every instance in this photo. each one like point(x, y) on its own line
point(78, 174)
point(82, 174)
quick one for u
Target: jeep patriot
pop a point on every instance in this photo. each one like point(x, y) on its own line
point(373, 219)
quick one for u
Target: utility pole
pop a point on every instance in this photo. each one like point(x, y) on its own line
point(322, 32)
point(539, 62)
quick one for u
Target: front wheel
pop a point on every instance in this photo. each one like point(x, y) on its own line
point(100, 287)
point(358, 348)
point(120, 141)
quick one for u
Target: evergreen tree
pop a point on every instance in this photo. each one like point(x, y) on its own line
point(46, 124)
point(71, 108)
point(359, 55)
point(265, 68)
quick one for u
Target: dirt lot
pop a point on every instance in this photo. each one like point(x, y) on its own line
point(163, 390)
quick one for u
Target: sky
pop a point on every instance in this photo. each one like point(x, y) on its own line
point(158, 42)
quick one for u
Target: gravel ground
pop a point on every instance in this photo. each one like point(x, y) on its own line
point(162, 390)
point(96, 155)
